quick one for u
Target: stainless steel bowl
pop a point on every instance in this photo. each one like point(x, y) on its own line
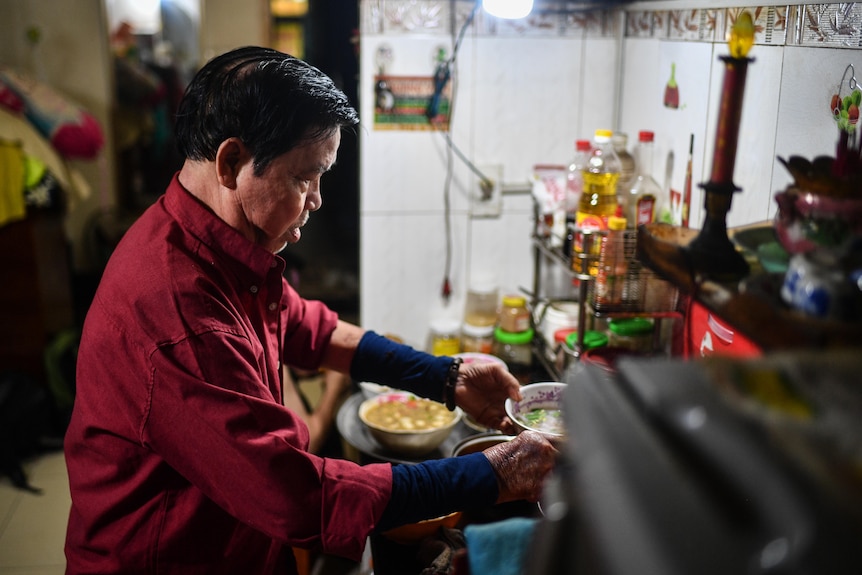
point(411, 443)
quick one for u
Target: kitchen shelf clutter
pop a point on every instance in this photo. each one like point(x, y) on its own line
point(614, 288)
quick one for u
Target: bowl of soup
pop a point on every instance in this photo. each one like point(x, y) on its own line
point(540, 409)
point(408, 424)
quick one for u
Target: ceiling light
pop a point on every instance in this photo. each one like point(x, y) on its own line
point(509, 9)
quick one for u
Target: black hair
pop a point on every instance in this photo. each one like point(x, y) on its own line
point(271, 101)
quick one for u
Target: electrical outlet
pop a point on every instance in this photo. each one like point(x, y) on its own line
point(486, 197)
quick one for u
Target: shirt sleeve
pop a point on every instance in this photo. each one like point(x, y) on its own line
point(308, 328)
point(381, 360)
point(217, 425)
point(439, 487)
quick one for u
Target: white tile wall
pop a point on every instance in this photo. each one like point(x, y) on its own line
point(527, 90)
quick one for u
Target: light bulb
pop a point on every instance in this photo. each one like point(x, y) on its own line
point(509, 9)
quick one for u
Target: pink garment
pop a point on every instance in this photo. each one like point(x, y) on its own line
point(181, 457)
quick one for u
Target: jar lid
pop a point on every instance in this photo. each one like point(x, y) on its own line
point(514, 338)
point(592, 339)
point(445, 325)
point(483, 283)
point(514, 301)
point(630, 326)
point(562, 310)
point(561, 335)
point(478, 330)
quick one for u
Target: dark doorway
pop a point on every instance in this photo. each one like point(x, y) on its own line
point(326, 260)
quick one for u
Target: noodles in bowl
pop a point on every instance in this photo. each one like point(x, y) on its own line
point(540, 409)
point(407, 424)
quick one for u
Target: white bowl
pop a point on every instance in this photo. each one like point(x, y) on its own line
point(411, 443)
point(370, 390)
point(542, 395)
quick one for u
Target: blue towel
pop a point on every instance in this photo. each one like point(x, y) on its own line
point(499, 548)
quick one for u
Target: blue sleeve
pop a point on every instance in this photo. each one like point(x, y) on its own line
point(381, 360)
point(439, 487)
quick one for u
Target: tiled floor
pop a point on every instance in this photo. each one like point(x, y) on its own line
point(33, 527)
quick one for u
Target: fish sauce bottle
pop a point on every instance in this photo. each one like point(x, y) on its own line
point(640, 203)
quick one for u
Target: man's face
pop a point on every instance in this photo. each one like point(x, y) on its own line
point(277, 204)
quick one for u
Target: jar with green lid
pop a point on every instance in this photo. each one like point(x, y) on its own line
point(592, 340)
point(516, 349)
point(567, 360)
point(635, 333)
point(514, 317)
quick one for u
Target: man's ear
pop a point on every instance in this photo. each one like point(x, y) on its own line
point(230, 157)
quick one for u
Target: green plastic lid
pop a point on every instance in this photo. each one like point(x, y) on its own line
point(631, 326)
point(592, 339)
point(513, 338)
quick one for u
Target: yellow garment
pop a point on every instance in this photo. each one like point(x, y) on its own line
point(11, 183)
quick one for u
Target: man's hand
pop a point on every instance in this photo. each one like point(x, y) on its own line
point(521, 466)
point(481, 392)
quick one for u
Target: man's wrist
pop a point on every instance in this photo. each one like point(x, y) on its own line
point(451, 383)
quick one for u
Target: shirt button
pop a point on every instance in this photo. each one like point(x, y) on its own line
point(274, 263)
point(253, 289)
point(273, 306)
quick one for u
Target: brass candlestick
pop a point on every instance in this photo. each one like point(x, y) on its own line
point(711, 252)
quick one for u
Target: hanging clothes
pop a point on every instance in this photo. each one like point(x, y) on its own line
point(12, 206)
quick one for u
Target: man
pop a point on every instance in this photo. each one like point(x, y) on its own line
point(181, 456)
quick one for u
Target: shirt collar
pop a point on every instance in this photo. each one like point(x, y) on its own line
point(216, 234)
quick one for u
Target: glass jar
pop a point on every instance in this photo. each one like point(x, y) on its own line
point(444, 337)
point(634, 334)
point(482, 300)
point(477, 338)
point(514, 316)
point(516, 349)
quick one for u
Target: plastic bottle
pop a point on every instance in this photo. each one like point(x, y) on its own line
point(628, 163)
point(640, 203)
point(613, 266)
point(598, 201)
point(575, 178)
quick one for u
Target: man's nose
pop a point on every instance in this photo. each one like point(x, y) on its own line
point(314, 200)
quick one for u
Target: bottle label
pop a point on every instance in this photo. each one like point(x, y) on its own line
point(589, 223)
point(644, 209)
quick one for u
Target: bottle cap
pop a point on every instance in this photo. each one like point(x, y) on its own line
point(583, 145)
point(645, 136)
point(445, 325)
point(514, 338)
point(616, 223)
point(477, 330)
point(630, 326)
point(514, 301)
point(483, 283)
point(620, 140)
point(603, 135)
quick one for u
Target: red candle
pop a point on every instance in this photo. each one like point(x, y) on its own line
point(729, 114)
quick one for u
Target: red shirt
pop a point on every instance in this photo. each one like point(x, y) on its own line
point(181, 458)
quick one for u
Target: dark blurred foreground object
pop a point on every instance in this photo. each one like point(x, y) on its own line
point(27, 425)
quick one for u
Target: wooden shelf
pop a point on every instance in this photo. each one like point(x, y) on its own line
point(752, 306)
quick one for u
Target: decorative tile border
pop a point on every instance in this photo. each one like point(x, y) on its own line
point(434, 17)
point(833, 25)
